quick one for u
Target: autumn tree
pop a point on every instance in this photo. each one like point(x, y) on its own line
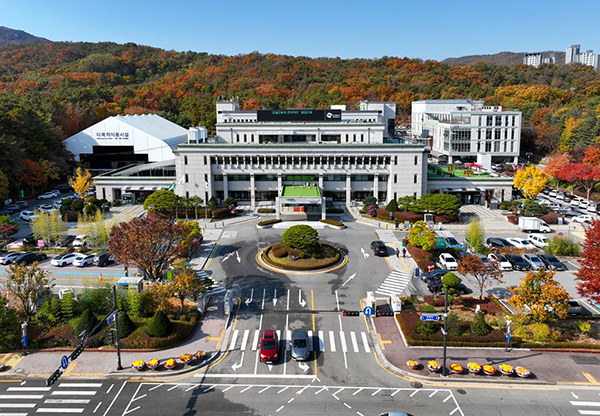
point(473, 267)
point(588, 276)
point(531, 181)
point(186, 284)
point(8, 228)
point(81, 181)
point(32, 174)
point(3, 186)
point(421, 236)
point(543, 295)
point(475, 235)
point(150, 243)
point(580, 173)
point(556, 164)
point(28, 284)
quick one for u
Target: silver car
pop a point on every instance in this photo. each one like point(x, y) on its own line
point(300, 345)
point(534, 261)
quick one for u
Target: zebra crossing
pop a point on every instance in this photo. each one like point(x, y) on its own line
point(65, 398)
point(396, 282)
point(319, 341)
point(215, 289)
point(593, 404)
point(482, 211)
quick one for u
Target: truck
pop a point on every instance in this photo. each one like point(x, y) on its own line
point(533, 224)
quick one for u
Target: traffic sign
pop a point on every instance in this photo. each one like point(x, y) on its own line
point(64, 362)
point(430, 317)
point(368, 311)
point(110, 319)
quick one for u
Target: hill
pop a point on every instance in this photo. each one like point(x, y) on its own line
point(13, 37)
point(503, 58)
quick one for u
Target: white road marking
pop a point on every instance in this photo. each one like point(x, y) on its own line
point(265, 389)
point(56, 410)
point(115, 398)
point(375, 392)
point(343, 341)
point(585, 403)
point(589, 412)
point(310, 341)
point(331, 341)
point(21, 396)
point(110, 388)
point(288, 300)
point(74, 393)
point(66, 401)
point(263, 301)
point(245, 339)
point(18, 405)
point(321, 343)
point(80, 385)
point(28, 389)
point(337, 300)
point(279, 409)
point(357, 391)
point(365, 342)
point(233, 339)
point(354, 343)
point(97, 407)
point(255, 340)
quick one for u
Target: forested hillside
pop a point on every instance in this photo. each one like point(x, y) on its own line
point(11, 37)
point(51, 90)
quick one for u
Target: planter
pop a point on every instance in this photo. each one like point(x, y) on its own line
point(2, 366)
point(433, 366)
point(139, 365)
point(200, 355)
point(489, 370)
point(474, 368)
point(186, 358)
point(170, 364)
point(153, 364)
point(413, 364)
point(522, 372)
point(506, 369)
point(456, 368)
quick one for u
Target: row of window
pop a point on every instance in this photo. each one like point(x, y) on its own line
point(488, 146)
point(302, 160)
point(299, 178)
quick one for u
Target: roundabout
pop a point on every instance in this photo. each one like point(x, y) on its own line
point(339, 263)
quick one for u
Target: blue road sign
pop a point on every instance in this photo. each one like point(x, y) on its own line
point(430, 317)
point(64, 362)
point(368, 311)
point(111, 319)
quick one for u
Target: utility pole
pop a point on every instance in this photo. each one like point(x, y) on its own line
point(445, 331)
point(116, 311)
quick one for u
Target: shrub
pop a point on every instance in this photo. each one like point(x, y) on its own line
point(552, 218)
point(331, 222)
point(77, 205)
point(70, 216)
point(86, 322)
point(584, 326)
point(116, 203)
point(269, 222)
point(90, 210)
point(279, 246)
point(230, 201)
point(427, 328)
point(533, 209)
point(562, 246)
point(370, 201)
point(513, 219)
point(392, 206)
point(266, 210)
point(126, 325)
point(453, 324)
point(445, 218)
point(479, 326)
point(293, 253)
point(383, 213)
point(541, 332)
point(408, 216)
point(427, 308)
point(505, 205)
point(282, 252)
point(220, 213)
point(159, 325)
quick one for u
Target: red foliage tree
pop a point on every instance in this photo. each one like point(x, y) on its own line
point(474, 268)
point(33, 174)
point(586, 175)
point(588, 275)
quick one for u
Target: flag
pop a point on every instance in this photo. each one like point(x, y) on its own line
point(172, 187)
point(206, 183)
point(196, 185)
point(182, 180)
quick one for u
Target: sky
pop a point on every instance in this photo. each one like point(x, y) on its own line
point(432, 29)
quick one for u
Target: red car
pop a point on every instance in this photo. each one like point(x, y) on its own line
point(269, 346)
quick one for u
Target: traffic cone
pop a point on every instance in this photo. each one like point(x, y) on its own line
point(100, 277)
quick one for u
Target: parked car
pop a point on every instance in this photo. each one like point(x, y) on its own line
point(80, 241)
point(57, 204)
point(9, 257)
point(552, 262)
point(27, 215)
point(21, 204)
point(568, 212)
point(583, 218)
point(567, 198)
point(448, 262)
point(575, 309)
point(104, 259)
point(300, 345)
point(575, 202)
point(30, 239)
point(517, 262)
point(5, 211)
point(436, 286)
point(436, 274)
point(379, 248)
point(554, 206)
point(521, 243)
point(485, 261)
point(500, 261)
point(540, 241)
point(65, 189)
point(64, 259)
point(560, 195)
point(47, 195)
point(534, 261)
point(45, 208)
point(451, 242)
point(553, 193)
point(592, 207)
point(28, 258)
point(498, 242)
point(269, 346)
point(12, 208)
point(83, 260)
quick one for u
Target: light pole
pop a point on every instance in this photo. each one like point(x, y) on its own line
point(529, 154)
point(445, 330)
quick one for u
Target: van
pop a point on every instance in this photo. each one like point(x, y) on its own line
point(80, 241)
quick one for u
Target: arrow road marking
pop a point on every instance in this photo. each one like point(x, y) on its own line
point(574, 395)
point(238, 257)
point(300, 300)
point(235, 366)
point(364, 253)
point(225, 257)
point(248, 301)
point(303, 366)
point(275, 298)
point(350, 278)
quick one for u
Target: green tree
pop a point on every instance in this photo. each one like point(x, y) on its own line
point(9, 326)
point(3, 186)
point(479, 326)
point(392, 206)
point(451, 281)
point(533, 209)
point(407, 203)
point(89, 211)
point(230, 201)
point(160, 201)
point(439, 204)
point(126, 325)
point(475, 236)
point(212, 204)
point(28, 284)
point(302, 237)
point(370, 201)
point(86, 322)
point(68, 306)
point(159, 325)
point(421, 236)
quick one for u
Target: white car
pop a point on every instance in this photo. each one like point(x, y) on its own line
point(583, 204)
point(64, 259)
point(521, 243)
point(80, 241)
point(560, 195)
point(583, 218)
point(45, 208)
point(27, 215)
point(553, 193)
point(500, 261)
point(592, 207)
point(83, 260)
point(57, 204)
point(576, 201)
point(9, 257)
point(554, 206)
point(540, 241)
point(47, 195)
point(448, 262)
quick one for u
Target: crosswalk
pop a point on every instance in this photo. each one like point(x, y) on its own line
point(396, 282)
point(482, 211)
point(321, 341)
point(215, 289)
point(65, 398)
point(580, 403)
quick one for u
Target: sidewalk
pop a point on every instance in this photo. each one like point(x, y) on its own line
point(92, 362)
point(546, 367)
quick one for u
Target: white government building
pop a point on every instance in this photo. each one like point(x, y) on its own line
point(303, 159)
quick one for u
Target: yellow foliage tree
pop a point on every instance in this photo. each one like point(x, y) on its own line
point(531, 181)
point(81, 181)
point(543, 295)
point(566, 138)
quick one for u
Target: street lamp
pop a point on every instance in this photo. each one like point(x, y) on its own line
point(529, 154)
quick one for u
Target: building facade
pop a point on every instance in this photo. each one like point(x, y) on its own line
point(588, 57)
point(465, 129)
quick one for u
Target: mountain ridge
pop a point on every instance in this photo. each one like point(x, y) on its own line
point(10, 36)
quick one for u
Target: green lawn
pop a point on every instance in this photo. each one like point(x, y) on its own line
point(298, 191)
point(457, 172)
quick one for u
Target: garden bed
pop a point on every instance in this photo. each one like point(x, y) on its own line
point(329, 255)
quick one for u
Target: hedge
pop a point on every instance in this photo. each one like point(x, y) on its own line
point(302, 264)
point(266, 210)
point(332, 222)
point(408, 216)
point(269, 222)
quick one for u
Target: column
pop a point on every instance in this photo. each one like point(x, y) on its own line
point(225, 186)
point(277, 209)
point(348, 189)
point(376, 187)
point(252, 192)
point(323, 208)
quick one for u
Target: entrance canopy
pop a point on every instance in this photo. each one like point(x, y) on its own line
point(300, 194)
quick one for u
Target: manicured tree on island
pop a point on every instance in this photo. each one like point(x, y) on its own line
point(370, 201)
point(159, 325)
point(588, 275)
point(473, 268)
point(451, 281)
point(537, 291)
point(479, 326)
point(162, 201)
point(302, 237)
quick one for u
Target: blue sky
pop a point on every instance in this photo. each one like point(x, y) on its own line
point(431, 29)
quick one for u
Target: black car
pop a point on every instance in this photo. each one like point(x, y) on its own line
point(433, 275)
point(499, 242)
point(575, 309)
point(5, 211)
point(552, 262)
point(65, 189)
point(517, 262)
point(28, 258)
point(379, 248)
point(103, 259)
point(30, 239)
point(436, 286)
point(568, 198)
point(65, 241)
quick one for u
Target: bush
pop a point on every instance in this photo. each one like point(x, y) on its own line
point(90, 210)
point(269, 222)
point(453, 324)
point(116, 203)
point(541, 332)
point(266, 210)
point(86, 322)
point(220, 213)
point(408, 216)
point(383, 214)
point(428, 308)
point(295, 254)
point(479, 326)
point(562, 246)
point(392, 206)
point(505, 205)
point(552, 218)
point(230, 201)
point(280, 253)
point(533, 209)
point(126, 325)
point(77, 205)
point(159, 325)
point(513, 219)
point(70, 216)
point(331, 222)
point(427, 328)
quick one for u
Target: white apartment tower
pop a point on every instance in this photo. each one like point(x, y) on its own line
point(586, 58)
